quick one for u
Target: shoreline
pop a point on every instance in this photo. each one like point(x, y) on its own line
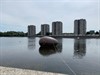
point(73, 36)
point(17, 71)
point(80, 37)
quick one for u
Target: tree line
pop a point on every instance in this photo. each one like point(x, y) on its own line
point(22, 34)
point(13, 33)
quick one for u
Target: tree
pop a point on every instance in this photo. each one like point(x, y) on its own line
point(39, 33)
point(97, 32)
point(48, 33)
point(87, 33)
point(12, 33)
point(1, 33)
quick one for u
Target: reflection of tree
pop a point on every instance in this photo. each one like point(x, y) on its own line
point(31, 43)
point(79, 48)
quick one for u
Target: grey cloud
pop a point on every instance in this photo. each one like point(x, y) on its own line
point(24, 12)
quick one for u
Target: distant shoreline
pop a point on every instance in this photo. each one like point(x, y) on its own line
point(73, 36)
point(58, 36)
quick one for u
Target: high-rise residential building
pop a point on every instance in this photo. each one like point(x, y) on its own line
point(57, 28)
point(80, 27)
point(31, 30)
point(45, 29)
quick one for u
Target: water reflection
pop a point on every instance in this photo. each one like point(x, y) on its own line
point(79, 48)
point(46, 51)
point(31, 43)
point(60, 45)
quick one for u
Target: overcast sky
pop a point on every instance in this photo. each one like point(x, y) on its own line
point(16, 15)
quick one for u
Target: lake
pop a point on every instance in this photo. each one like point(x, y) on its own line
point(72, 56)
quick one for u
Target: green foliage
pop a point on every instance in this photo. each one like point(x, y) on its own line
point(13, 33)
point(97, 32)
point(88, 33)
point(39, 33)
point(48, 33)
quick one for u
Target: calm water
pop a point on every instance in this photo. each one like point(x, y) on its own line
point(72, 56)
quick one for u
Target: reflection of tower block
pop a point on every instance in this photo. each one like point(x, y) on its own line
point(80, 47)
point(59, 46)
point(31, 43)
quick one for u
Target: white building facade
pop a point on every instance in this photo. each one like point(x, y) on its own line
point(31, 30)
point(57, 28)
point(45, 29)
point(80, 27)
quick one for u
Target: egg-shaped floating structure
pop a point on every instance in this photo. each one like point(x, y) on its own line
point(48, 41)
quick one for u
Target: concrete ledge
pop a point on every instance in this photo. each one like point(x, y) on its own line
point(16, 71)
